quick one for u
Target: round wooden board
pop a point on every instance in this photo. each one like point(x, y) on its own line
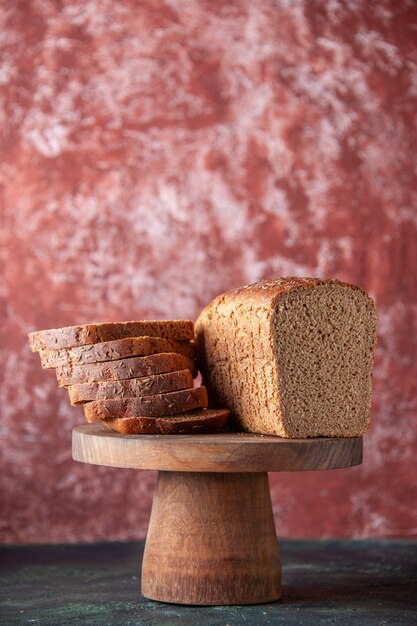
point(221, 452)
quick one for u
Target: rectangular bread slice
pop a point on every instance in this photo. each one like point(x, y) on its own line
point(199, 421)
point(72, 336)
point(145, 386)
point(291, 357)
point(150, 406)
point(113, 351)
point(124, 369)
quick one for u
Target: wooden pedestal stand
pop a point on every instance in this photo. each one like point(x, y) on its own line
point(211, 537)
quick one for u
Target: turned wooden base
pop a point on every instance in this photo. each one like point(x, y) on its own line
point(211, 540)
point(211, 537)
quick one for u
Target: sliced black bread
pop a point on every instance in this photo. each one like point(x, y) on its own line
point(150, 406)
point(199, 421)
point(72, 336)
point(113, 351)
point(121, 389)
point(124, 369)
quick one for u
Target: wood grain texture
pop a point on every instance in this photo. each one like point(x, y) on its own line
point(211, 540)
point(222, 452)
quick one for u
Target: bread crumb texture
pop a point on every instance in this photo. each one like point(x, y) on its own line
point(291, 357)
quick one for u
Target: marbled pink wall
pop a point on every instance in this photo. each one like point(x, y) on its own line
point(154, 154)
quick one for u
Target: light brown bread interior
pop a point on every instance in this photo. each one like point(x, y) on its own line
point(291, 357)
point(324, 340)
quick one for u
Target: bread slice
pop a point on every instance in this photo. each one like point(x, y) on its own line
point(291, 357)
point(72, 336)
point(114, 350)
point(199, 421)
point(145, 386)
point(124, 369)
point(151, 406)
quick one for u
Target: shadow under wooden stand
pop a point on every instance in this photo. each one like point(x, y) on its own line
point(211, 537)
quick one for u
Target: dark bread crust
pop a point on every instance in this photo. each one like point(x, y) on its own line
point(113, 351)
point(80, 335)
point(152, 406)
point(123, 369)
point(200, 421)
point(263, 291)
point(145, 386)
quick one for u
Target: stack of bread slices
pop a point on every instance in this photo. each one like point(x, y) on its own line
point(135, 377)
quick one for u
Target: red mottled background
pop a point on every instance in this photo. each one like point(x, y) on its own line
point(154, 154)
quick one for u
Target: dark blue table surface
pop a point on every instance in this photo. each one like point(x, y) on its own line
point(325, 582)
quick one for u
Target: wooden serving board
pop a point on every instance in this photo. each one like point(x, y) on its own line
point(222, 452)
point(211, 537)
